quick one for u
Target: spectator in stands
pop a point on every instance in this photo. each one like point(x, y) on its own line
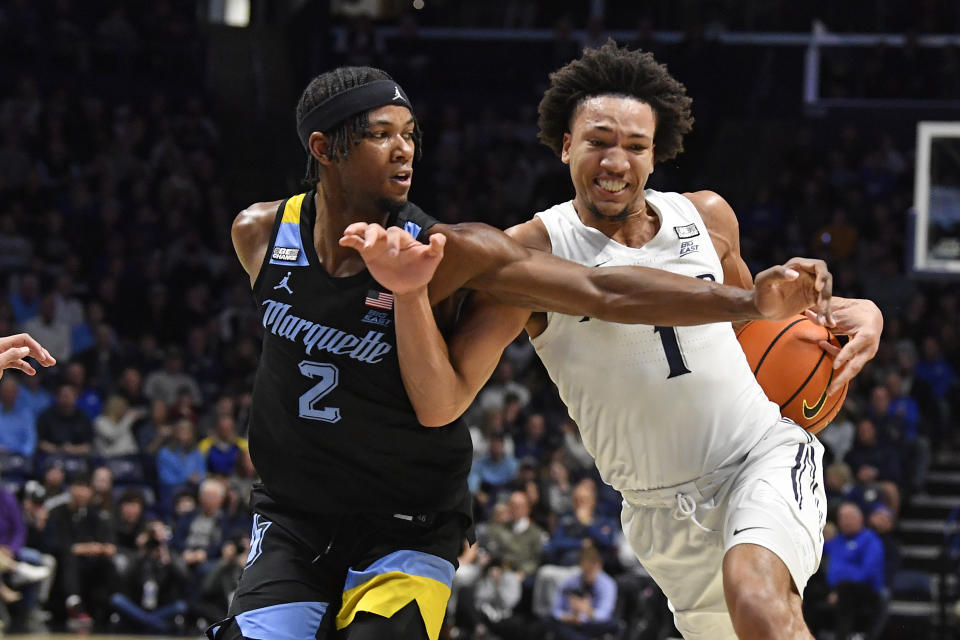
point(179, 463)
point(55, 488)
point(915, 445)
point(534, 442)
point(154, 431)
point(88, 399)
point(583, 605)
point(495, 595)
point(218, 586)
point(152, 594)
point(517, 541)
point(165, 384)
point(583, 525)
point(25, 301)
point(83, 538)
point(224, 449)
point(838, 438)
point(855, 572)
point(130, 386)
point(199, 534)
point(875, 463)
point(558, 490)
point(21, 566)
point(113, 429)
point(63, 429)
point(18, 430)
point(494, 470)
point(128, 522)
point(48, 331)
point(102, 482)
point(34, 396)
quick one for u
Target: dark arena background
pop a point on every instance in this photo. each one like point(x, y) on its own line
point(131, 134)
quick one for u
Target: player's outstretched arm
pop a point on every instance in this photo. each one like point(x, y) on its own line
point(863, 322)
point(483, 258)
point(14, 349)
point(440, 382)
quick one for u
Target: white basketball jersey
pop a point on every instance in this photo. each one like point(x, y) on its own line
point(656, 406)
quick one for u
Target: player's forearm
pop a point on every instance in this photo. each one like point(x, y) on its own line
point(651, 296)
point(434, 387)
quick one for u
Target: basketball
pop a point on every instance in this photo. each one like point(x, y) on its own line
point(793, 370)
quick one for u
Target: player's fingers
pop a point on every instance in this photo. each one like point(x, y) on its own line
point(394, 239)
point(373, 235)
point(24, 366)
point(847, 373)
point(355, 229)
point(831, 349)
point(13, 355)
point(353, 241)
point(26, 340)
point(437, 242)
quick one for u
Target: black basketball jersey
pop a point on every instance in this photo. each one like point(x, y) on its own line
point(331, 428)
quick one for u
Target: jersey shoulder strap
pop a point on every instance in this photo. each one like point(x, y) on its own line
point(414, 221)
point(286, 245)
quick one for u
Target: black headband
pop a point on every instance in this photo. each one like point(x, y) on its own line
point(338, 108)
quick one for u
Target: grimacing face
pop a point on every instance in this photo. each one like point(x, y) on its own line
point(610, 153)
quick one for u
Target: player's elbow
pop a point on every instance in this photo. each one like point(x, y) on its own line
point(435, 418)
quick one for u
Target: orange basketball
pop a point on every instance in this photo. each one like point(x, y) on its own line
point(793, 370)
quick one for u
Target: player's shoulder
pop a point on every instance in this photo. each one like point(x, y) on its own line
point(715, 211)
point(257, 215)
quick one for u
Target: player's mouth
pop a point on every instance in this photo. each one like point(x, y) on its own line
point(402, 177)
point(613, 187)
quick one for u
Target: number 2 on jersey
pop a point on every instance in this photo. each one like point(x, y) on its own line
point(328, 376)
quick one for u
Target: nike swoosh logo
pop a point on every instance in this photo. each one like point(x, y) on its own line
point(602, 263)
point(736, 531)
point(811, 412)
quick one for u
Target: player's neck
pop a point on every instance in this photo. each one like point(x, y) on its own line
point(333, 216)
point(634, 230)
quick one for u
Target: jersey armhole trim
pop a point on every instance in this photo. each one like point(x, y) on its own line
point(273, 239)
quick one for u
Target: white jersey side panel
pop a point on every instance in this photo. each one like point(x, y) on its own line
point(656, 406)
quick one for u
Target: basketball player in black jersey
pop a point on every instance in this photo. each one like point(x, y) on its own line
point(362, 510)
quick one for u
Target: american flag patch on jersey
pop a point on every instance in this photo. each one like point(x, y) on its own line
point(379, 299)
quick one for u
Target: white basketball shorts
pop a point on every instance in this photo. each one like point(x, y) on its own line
point(773, 498)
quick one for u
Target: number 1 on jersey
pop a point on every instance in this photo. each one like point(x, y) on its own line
point(329, 376)
point(671, 347)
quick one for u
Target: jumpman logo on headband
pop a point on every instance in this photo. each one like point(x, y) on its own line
point(283, 284)
point(396, 94)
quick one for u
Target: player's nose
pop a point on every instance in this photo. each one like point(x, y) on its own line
point(615, 160)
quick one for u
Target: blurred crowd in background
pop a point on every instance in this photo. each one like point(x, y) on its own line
point(125, 469)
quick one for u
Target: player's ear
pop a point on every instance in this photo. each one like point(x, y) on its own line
point(565, 148)
point(320, 148)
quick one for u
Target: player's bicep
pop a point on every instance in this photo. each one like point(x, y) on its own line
point(483, 331)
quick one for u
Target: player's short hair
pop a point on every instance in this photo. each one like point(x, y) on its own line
point(619, 71)
point(347, 133)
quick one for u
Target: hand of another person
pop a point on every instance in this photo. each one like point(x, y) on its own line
point(395, 258)
point(863, 322)
point(13, 350)
point(792, 288)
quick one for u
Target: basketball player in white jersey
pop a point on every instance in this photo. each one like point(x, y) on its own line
point(723, 500)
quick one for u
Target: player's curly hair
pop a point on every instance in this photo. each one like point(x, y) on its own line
point(351, 130)
point(613, 70)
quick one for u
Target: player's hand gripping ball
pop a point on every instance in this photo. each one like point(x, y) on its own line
point(793, 370)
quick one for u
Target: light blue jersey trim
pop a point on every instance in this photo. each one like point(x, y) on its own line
point(290, 621)
point(413, 563)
